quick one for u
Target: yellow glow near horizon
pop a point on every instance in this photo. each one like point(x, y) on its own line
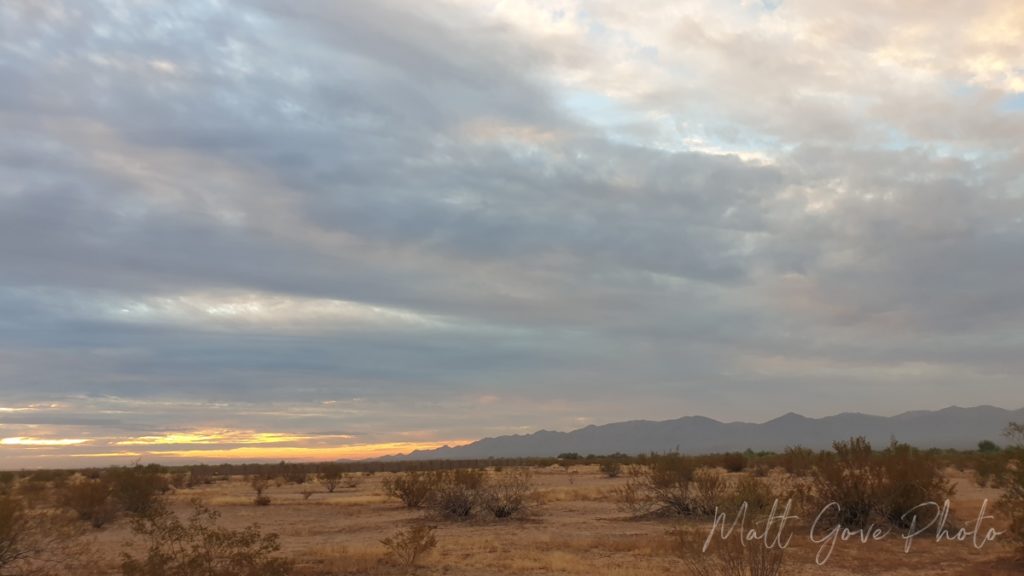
point(215, 437)
point(355, 451)
point(25, 441)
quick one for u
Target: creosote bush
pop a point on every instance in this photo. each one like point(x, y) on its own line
point(662, 486)
point(709, 490)
point(137, 489)
point(798, 460)
point(729, 556)
point(866, 487)
point(91, 500)
point(457, 492)
point(611, 469)
point(199, 546)
point(507, 495)
point(412, 488)
point(407, 546)
point(734, 462)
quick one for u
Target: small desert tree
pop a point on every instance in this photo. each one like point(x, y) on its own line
point(331, 478)
point(260, 483)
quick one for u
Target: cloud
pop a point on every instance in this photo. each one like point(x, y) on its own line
point(272, 219)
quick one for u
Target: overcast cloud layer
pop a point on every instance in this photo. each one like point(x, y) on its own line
point(321, 229)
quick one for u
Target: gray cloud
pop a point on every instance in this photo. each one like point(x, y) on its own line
point(358, 216)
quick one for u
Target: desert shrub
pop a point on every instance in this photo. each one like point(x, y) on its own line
point(293, 474)
point(412, 488)
point(729, 556)
point(611, 469)
point(91, 500)
point(734, 462)
point(866, 487)
point(988, 469)
point(200, 547)
point(663, 486)
point(668, 482)
point(137, 489)
point(331, 478)
point(409, 545)
point(755, 492)
point(910, 478)
point(178, 479)
point(987, 446)
point(850, 479)
point(1012, 501)
point(259, 484)
point(709, 489)
point(456, 492)
point(797, 460)
point(199, 475)
point(507, 495)
point(633, 497)
point(38, 542)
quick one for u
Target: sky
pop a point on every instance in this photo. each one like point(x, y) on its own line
point(307, 230)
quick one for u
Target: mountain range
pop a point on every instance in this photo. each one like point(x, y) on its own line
point(953, 427)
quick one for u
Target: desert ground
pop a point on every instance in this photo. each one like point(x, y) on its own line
point(573, 526)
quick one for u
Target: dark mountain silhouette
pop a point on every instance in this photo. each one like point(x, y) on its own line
point(953, 427)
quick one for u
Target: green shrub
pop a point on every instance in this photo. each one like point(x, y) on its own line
point(987, 446)
point(200, 547)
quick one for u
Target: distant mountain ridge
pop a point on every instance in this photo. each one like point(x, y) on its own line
point(953, 427)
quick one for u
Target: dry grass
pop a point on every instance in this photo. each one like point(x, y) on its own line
point(573, 529)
